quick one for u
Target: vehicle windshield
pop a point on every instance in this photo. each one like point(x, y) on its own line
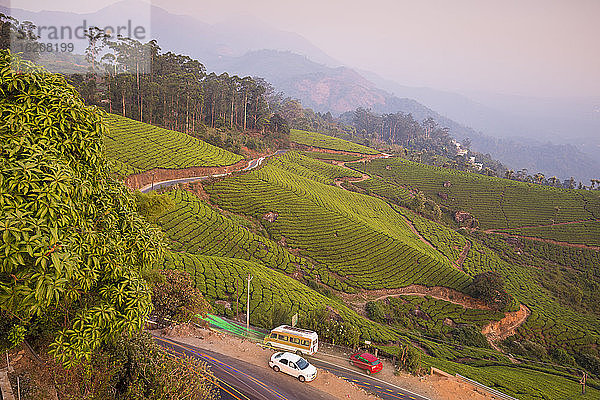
point(375, 362)
point(302, 363)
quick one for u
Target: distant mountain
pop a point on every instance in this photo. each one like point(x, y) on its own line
point(185, 34)
point(301, 70)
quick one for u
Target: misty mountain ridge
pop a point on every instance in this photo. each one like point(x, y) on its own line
point(289, 62)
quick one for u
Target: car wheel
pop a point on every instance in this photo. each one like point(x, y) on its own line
point(301, 378)
point(275, 368)
point(299, 352)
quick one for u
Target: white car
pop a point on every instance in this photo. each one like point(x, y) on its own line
point(294, 365)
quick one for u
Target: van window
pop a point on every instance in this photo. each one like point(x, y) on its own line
point(282, 337)
point(284, 361)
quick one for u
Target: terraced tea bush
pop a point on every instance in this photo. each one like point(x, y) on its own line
point(313, 169)
point(551, 323)
point(328, 142)
point(224, 279)
point(193, 226)
point(386, 189)
point(429, 314)
point(361, 240)
point(523, 381)
point(136, 146)
point(496, 203)
point(330, 156)
point(586, 233)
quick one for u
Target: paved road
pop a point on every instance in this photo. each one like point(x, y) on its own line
point(251, 165)
point(240, 380)
point(371, 384)
point(342, 369)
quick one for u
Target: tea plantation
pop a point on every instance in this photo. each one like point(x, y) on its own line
point(358, 238)
point(551, 322)
point(217, 277)
point(330, 156)
point(497, 203)
point(137, 147)
point(586, 233)
point(328, 142)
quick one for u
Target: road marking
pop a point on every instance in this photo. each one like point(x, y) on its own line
point(225, 365)
point(169, 350)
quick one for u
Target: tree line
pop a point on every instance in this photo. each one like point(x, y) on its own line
point(139, 81)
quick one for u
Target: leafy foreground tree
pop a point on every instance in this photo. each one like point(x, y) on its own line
point(72, 245)
point(136, 368)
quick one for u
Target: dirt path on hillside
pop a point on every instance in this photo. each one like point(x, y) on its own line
point(566, 244)
point(463, 255)
point(137, 181)
point(436, 292)
point(497, 331)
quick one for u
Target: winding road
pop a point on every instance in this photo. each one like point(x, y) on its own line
point(172, 182)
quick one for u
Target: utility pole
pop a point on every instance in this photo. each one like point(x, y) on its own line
point(248, 306)
point(583, 381)
point(237, 299)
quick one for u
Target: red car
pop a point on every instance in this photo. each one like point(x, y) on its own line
point(366, 361)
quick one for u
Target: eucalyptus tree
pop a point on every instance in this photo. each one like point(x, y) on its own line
point(73, 246)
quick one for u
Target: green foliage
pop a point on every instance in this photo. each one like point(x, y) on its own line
point(328, 142)
point(432, 316)
point(561, 357)
point(408, 358)
point(489, 287)
point(376, 311)
point(586, 233)
point(195, 227)
point(331, 327)
point(73, 246)
point(469, 335)
point(136, 146)
point(136, 368)
point(496, 203)
point(152, 205)
point(176, 300)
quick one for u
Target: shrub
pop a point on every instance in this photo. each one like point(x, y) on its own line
point(176, 300)
point(469, 335)
point(409, 359)
point(135, 368)
point(561, 356)
point(375, 311)
point(489, 287)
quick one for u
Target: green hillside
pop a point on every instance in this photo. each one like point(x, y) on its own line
point(328, 142)
point(358, 238)
point(496, 203)
point(322, 234)
point(552, 321)
point(330, 156)
point(135, 147)
point(217, 277)
point(587, 233)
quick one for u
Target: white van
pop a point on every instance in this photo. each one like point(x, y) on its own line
point(293, 339)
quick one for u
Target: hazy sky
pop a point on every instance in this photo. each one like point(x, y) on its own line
point(528, 47)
